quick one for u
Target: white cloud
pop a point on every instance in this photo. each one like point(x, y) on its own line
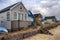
point(47, 8)
point(5, 3)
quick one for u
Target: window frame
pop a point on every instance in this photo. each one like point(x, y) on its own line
point(22, 16)
point(20, 7)
point(15, 15)
point(19, 16)
point(8, 16)
point(25, 17)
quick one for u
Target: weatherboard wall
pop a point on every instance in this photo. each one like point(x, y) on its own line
point(3, 20)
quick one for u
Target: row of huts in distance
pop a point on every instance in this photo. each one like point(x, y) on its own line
point(16, 17)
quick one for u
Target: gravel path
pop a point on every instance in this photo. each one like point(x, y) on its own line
point(55, 32)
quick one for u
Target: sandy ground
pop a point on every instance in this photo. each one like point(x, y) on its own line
point(55, 32)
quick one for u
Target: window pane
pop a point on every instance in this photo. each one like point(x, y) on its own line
point(15, 15)
point(20, 7)
point(18, 16)
point(25, 16)
point(22, 16)
point(8, 16)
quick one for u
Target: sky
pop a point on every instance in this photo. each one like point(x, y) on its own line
point(45, 7)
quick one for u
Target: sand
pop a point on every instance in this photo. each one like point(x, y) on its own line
point(55, 36)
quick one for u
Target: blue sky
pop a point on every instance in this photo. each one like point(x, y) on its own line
point(45, 7)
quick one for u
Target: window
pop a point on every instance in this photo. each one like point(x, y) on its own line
point(8, 16)
point(25, 16)
point(15, 15)
point(2, 23)
point(18, 16)
point(22, 16)
point(20, 7)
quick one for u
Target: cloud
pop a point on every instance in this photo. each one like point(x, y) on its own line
point(45, 7)
point(6, 3)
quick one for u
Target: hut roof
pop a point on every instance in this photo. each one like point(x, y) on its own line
point(38, 15)
point(49, 17)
